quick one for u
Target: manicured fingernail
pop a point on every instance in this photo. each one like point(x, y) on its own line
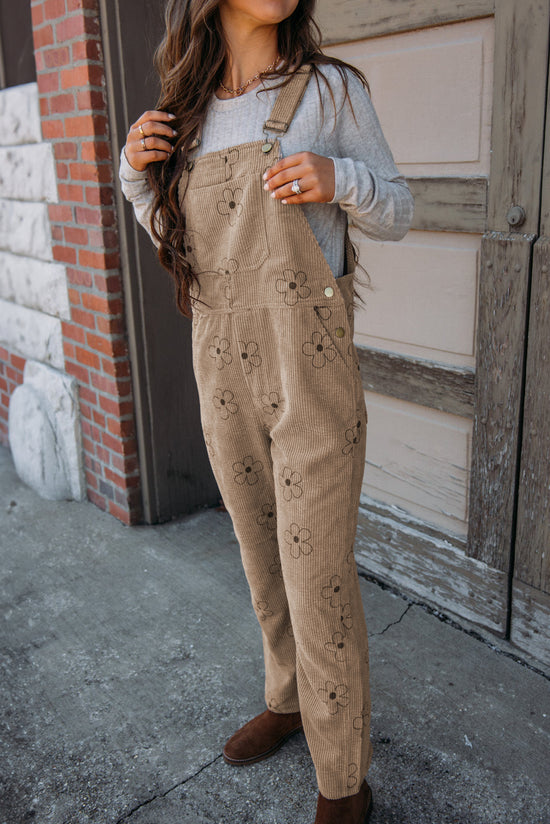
point(272, 194)
point(284, 201)
point(172, 116)
point(266, 185)
point(265, 175)
point(174, 132)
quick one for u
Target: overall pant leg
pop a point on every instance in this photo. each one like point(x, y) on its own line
point(318, 454)
point(239, 449)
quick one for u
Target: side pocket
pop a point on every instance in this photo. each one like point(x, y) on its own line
point(336, 324)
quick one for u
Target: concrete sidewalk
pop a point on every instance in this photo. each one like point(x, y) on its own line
point(129, 654)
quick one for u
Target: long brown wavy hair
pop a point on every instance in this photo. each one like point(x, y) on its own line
point(191, 60)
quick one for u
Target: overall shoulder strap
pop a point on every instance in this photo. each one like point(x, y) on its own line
point(288, 100)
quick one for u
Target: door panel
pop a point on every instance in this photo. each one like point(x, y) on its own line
point(175, 470)
point(425, 296)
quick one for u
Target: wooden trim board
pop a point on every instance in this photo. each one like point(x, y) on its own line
point(429, 565)
point(344, 20)
point(530, 621)
point(447, 388)
point(449, 204)
point(503, 290)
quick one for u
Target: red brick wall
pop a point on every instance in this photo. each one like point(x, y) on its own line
point(71, 83)
point(11, 376)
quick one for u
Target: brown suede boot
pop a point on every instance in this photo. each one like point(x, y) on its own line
point(261, 737)
point(355, 809)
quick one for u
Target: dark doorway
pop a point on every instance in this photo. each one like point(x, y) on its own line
point(175, 470)
point(16, 45)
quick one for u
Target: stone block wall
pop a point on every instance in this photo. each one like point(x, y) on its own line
point(33, 288)
point(61, 289)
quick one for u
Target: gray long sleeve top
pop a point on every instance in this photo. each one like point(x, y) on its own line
point(370, 192)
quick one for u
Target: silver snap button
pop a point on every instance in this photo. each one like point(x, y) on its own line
point(329, 291)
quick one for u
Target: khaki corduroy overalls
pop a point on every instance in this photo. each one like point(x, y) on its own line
point(284, 420)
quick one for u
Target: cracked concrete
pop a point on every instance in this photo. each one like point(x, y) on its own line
point(392, 623)
point(129, 655)
point(167, 792)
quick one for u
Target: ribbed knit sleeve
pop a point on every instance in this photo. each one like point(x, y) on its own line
point(135, 188)
point(368, 185)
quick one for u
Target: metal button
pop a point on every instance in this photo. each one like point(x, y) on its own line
point(266, 148)
point(329, 291)
point(340, 332)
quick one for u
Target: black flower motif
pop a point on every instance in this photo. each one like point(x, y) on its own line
point(247, 470)
point(333, 591)
point(224, 403)
point(249, 355)
point(292, 286)
point(231, 205)
point(360, 722)
point(353, 437)
point(298, 539)
point(334, 696)
point(208, 442)
point(189, 249)
point(275, 568)
point(345, 616)
point(262, 610)
point(352, 775)
point(272, 403)
point(267, 517)
point(320, 349)
point(220, 350)
point(229, 267)
point(337, 646)
point(229, 159)
point(291, 482)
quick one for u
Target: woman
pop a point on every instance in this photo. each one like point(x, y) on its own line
point(261, 150)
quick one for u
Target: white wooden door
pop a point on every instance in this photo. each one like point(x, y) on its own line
point(442, 336)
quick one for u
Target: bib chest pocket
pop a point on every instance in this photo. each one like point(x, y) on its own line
point(227, 224)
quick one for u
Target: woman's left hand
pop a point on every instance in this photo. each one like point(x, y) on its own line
point(315, 174)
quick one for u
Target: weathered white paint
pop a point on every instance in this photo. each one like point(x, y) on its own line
point(44, 433)
point(418, 458)
point(530, 620)
point(400, 549)
point(31, 334)
point(432, 90)
point(35, 284)
point(28, 173)
point(25, 229)
point(20, 115)
point(424, 296)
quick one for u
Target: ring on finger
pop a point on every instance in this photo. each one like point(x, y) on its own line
point(142, 133)
point(143, 144)
point(296, 187)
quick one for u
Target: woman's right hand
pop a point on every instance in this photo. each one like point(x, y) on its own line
point(154, 134)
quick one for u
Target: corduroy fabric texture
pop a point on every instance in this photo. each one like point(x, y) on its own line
point(284, 420)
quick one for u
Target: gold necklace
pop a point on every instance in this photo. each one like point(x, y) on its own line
point(241, 89)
